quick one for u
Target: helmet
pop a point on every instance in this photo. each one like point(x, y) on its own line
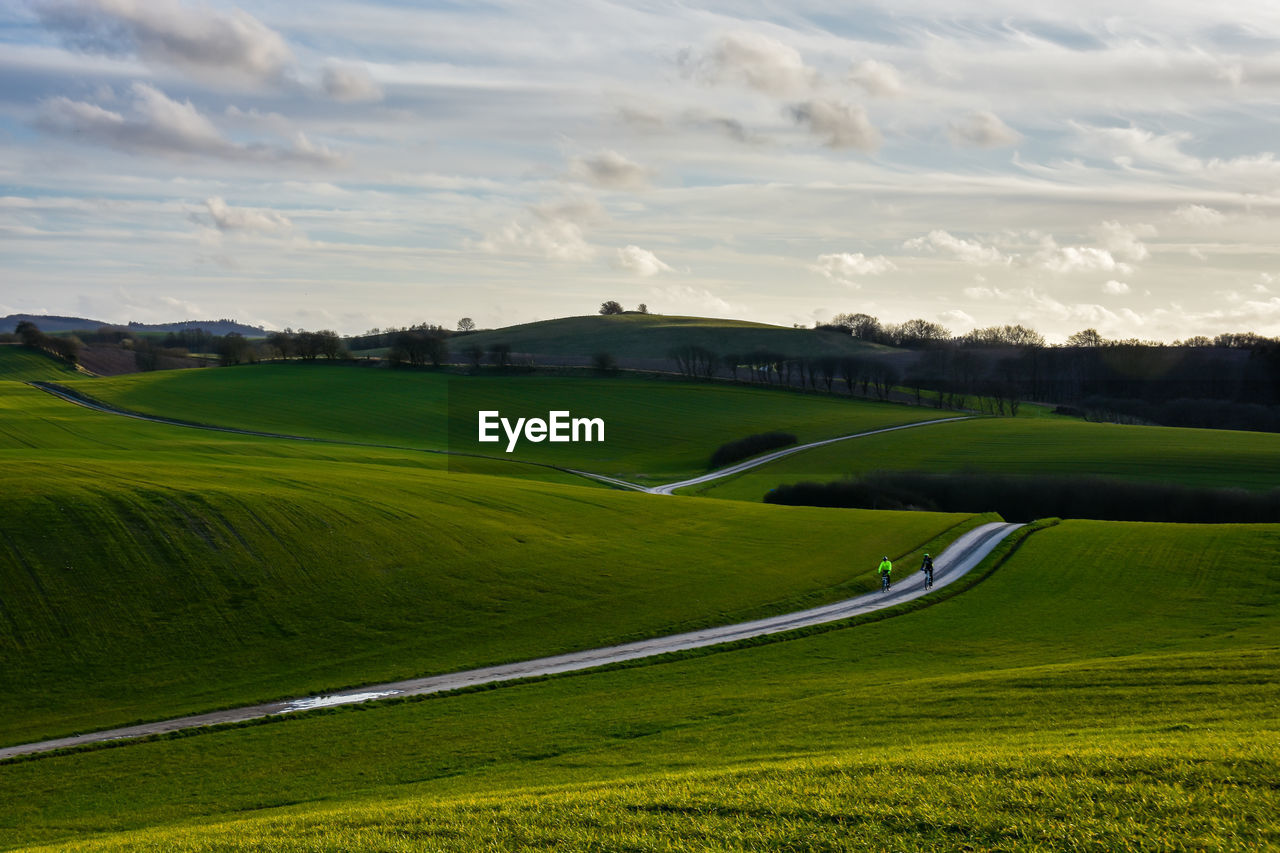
point(926, 555)
point(884, 558)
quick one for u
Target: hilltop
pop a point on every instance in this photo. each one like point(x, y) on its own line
point(653, 336)
point(54, 323)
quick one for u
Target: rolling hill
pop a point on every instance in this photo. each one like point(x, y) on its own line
point(653, 336)
point(1060, 704)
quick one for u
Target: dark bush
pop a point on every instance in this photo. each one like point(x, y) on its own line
point(750, 446)
point(604, 362)
point(1029, 498)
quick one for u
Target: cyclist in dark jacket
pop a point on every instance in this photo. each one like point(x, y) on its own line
point(927, 568)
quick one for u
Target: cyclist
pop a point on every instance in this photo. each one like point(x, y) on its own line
point(885, 568)
point(927, 568)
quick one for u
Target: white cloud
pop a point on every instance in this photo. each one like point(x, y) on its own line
point(1070, 259)
point(755, 61)
point(1198, 214)
point(982, 129)
point(845, 267)
point(228, 218)
point(1130, 146)
point(1124, 241)
point(840, 125)
point(610, 170)
point(968, 251)
point(205, 41)
point(159, 125)
point(642, 262)
point(348, 82)
point(877, 79)
point(1115, 288)
point(678, 298)
point(956, 317)
point(556, 231)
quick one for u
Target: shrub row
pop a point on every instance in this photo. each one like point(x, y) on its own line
point(1203, 414)
point(750, 446)
point(1028, 498)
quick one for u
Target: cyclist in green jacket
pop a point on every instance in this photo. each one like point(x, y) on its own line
point(885, 568)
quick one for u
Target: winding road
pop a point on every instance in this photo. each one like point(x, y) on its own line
point(957, 560)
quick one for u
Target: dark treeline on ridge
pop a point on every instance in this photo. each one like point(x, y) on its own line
point(1028, 498)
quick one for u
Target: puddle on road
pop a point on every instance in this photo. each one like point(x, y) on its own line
point(328, 701)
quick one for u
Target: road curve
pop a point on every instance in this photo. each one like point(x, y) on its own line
point(962, 556)
point(670, 488)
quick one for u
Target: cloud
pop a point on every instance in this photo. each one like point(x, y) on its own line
point(348, 83)
point(610, 170)
point(1198, 214)
point(843, 267)
point(227, 218)
point(877, 79)
point(642, 262)
point(1123, 241)
point(1070, 259)
point(1128, 146)
point(968, 251)
point(1116, 288)
point(841, 125)
point(555, 231)
point(755, 61)
point(695, 300)
point(208, 42)
point(159, 125)
point(956, 317)
point(982, 129)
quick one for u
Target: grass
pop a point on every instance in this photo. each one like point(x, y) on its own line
point(21, 364)
point(656, 430)
point(653, 336)
point(1111, 686)
point(241, 569)
point(1031, 447)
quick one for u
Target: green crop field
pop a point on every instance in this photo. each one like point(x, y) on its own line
point(653, 336)
point(656, 430)
point(240, 569)
point(1198, 457)
point(22, 364)
point(1110, 686)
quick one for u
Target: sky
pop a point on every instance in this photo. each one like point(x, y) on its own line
point(348, 165)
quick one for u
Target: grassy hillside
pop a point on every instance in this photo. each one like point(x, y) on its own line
point(1197, 457)
point(21, 364)
point(656, 430)
point(242, 569)
point(653, 336)
point(1111, 686)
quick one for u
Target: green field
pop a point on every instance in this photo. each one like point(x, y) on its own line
point(1110, 686)
point(241, 569)
point(1030, 447)
point(653, 336)
point(656, 430)
point(19, 363)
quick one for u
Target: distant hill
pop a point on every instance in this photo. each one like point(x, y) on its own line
point(51, 323)
point(653, 336)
